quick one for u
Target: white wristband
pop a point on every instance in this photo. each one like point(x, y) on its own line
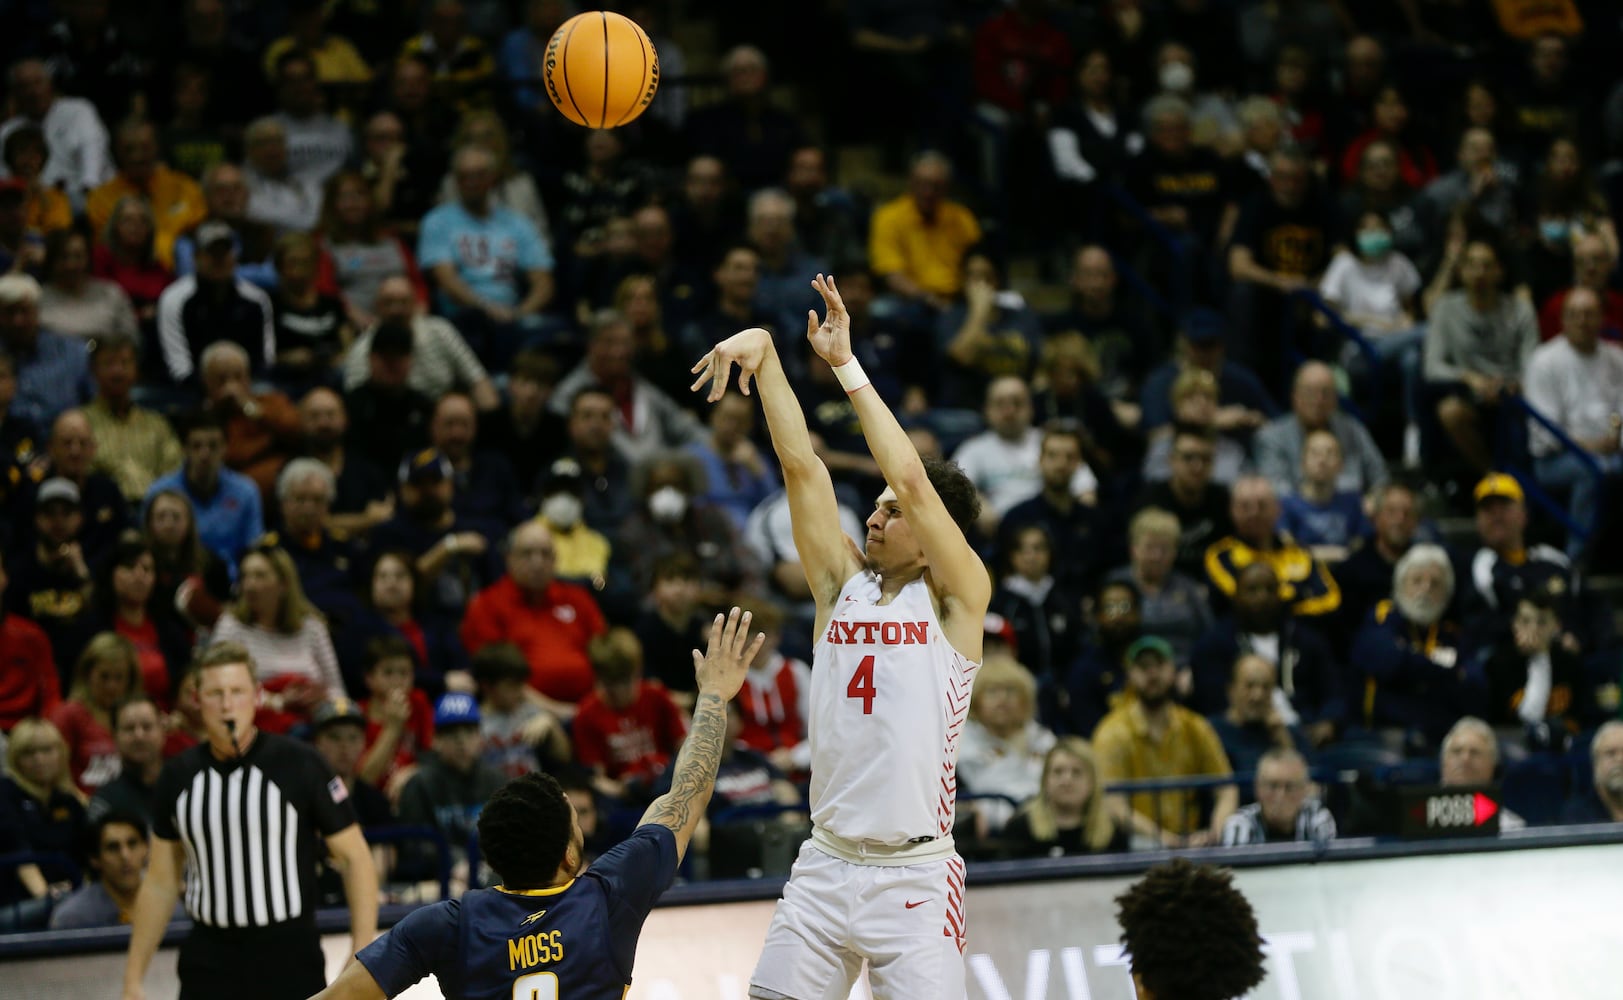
point(851, 376)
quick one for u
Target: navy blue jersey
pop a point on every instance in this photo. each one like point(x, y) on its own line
point(575, 941)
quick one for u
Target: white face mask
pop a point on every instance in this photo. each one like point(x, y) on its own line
point(562, 510)
point(667, 504)
point(1177, 77)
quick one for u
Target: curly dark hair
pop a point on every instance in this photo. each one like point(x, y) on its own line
point(1191, 934)
point(957, 491)
point(525, 829)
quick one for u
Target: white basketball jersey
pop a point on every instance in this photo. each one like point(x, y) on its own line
point(889, 696)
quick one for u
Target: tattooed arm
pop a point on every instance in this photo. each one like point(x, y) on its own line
point(684, 805)
point(720, 673)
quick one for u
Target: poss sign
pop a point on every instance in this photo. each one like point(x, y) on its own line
point(1450, 812)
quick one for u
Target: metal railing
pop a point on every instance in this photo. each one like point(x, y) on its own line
point(1202, 783)
point(1182, 278)
point(766, 810)
point(55, 860)
point(1508, 456)
point(1536, 785)
point(1513, 415)
point(1337, 322)
point(402, 834)
point(28, 913)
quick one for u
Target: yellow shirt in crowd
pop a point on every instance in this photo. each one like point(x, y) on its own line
point(1127, 752)
point(930, 254)
point(176, 200)
point(337, 61)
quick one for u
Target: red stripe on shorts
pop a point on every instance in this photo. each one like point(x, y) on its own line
point(955, 903)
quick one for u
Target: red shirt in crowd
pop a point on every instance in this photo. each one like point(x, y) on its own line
point(773, 704)
point(178, 742)
point(149, 656)
point(143, 283)
point(28, 682)
point(92, 754)
point(1611, 307)
point(413, 633)
point(415, 737)
point(634, 743)
point(552, 631)
point(1416, 165)
point(1020, 60)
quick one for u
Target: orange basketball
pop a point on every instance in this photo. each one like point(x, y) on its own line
point(600, 69)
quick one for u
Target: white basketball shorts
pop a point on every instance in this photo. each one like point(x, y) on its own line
point(906, 920)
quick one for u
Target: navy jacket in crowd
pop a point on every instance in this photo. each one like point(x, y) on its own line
point(1076, 539)
point(1074, 702)
point(331, 572)
point(489, 490)
point(1246, 744)
point(1413, 678)
point(1047, 635)
point(1308, 671)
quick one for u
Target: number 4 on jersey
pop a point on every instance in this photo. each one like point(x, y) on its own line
point(861, 686)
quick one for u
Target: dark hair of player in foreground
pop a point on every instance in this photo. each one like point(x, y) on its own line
point(1190, 933)
point(524, 831)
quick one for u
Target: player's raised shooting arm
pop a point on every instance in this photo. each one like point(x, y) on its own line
point(720, 673)
point(814, 514)
point(959, 576)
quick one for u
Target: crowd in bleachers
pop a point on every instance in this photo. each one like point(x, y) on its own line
point(1281, 340)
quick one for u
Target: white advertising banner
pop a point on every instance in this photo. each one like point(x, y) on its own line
point(1511, 925)
point(1514, 925)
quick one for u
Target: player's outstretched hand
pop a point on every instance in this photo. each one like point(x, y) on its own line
point(721, 669)
point(749, 349)
point(831, 338)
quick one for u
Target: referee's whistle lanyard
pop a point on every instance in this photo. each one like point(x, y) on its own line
point(236, 748)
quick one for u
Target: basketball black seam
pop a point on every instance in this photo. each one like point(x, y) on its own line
point(563, 54)
point(638, 102)
point(603, 117)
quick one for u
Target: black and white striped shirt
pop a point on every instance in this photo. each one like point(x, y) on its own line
point(1245, 826)
point(250, 829)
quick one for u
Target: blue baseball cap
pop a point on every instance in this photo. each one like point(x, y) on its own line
point(427, 466)
point(456, 709)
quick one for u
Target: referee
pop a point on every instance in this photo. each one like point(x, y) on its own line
point(241, 813)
